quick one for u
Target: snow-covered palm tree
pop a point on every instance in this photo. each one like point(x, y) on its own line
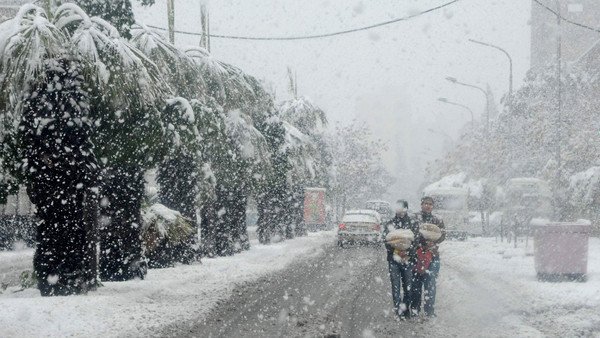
point(46, 136)
point(127, 94)
point(179, 172)
point(125, 91)
point(313, 157)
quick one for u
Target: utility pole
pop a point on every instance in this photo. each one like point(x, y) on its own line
point(205, 28)
point(558, 189)
point(559, 87)
point(171, 20)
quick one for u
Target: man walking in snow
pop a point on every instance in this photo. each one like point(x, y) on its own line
point(427, 263)
point(401, 262)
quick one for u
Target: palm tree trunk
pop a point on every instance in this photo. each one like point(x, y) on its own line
point(121, 246)
point(60, 177)
point(178, 181)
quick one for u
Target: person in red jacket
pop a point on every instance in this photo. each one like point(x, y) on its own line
point(427, 265)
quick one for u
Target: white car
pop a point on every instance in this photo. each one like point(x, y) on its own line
point(359, 226)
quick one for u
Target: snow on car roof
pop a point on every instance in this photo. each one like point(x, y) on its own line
point(361, 215)
point(362, 211)
point(377, 201)
point(446, 191)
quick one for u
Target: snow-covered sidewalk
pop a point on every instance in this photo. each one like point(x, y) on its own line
point(504, 279)
point(138, 308)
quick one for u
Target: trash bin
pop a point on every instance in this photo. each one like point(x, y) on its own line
point(561, 251)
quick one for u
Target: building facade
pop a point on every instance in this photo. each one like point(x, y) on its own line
point(575, 40)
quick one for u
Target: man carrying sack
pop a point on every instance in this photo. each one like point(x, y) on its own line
point(399, 234)
point(427, 263)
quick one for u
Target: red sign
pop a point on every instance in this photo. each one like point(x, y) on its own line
point(314, 206)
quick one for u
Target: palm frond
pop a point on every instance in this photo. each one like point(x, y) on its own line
point(304, 115)
point(213, 71)
point(179, 69)
point(116, 68)
point(301, 152)
point(248, 141)
point(29, 40)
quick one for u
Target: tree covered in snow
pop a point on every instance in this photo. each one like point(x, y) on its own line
point(524, 140)
point(584, 190)
point(309, 154)
point(180, 170)
point(61, 172)
point(233, 150)
point(212, 130)
point(311, 121)
point(359, 173)
point(126, 94)
point(46, 137)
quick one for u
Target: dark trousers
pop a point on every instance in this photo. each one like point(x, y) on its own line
point(427, 282)
point(401, 276)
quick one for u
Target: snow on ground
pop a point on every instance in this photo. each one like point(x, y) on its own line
point(531, 307)
point(12, 263)
point(137, 308)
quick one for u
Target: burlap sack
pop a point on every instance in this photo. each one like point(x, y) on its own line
point(430, 232)
point(400, 239)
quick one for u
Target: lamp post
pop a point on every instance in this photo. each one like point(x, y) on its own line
point(485, 94)
point(510, 63)
point(510, 81)
point(445, 100)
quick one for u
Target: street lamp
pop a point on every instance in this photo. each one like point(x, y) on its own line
point(445, 100)
point(510, 63)
point(485, 94)
point(448, 142)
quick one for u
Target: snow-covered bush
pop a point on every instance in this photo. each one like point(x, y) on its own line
point(163, 231)
point(584, 192)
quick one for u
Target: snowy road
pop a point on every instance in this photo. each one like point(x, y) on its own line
point(345, 292)
point(307, 287)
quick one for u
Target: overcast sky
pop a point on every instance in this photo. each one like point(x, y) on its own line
point(390, 77)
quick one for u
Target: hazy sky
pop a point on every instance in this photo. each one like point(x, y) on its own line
point(389, 77)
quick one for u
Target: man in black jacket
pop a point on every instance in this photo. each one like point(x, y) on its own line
point(401, 263)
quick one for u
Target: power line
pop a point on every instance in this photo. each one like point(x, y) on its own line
point(567, 20)
point(317, 36)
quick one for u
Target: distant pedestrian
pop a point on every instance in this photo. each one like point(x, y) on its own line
point(401, 262)
point(427, 263)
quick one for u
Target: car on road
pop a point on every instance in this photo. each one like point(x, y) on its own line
point(384, 209)
point(359, 226)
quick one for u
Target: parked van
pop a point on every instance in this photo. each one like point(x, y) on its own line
point(450, 204)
